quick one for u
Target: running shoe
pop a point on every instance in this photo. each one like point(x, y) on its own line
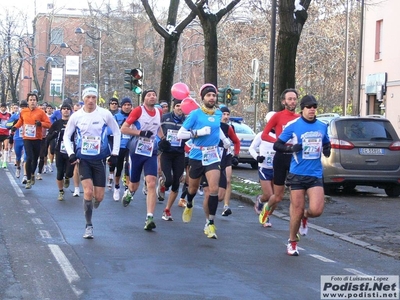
point(200, 190)
point(126, 198)
point(182, 202)
point(24, 179)
point(187, 214)
point(38, 176)
point(292, 248)
point(28, 184)
point(44, 169)
point(258, 206)
point(18, 172)
point(167, 215)
point(66, 182)
point(267, 223)
point(4, 165)
point(210, 230)
point(61, 196)
point(88, 232)
point(144, 189)
point(264, 215)
point(116, 195)
point(49, 168)
point(226, 212)
point(149, 224)
point(160, 189)
point(33, 179)
point(303, 230)
point(110, 181)
point(76, 192)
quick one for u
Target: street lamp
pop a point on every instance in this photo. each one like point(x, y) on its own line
point(79, 30)
point(65, 45)
point(30, 82)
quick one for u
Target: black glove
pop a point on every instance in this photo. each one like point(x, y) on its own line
point(235, 160)
point(260, 159)
point(13, 129)
point(326, 149)
point(146, 133)
point(11, 138)
point(112, 161)
point(164, 145)
point(296, 148)
point(38, 123)
point(72, 158)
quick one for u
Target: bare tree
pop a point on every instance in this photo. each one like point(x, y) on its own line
point(209, 22)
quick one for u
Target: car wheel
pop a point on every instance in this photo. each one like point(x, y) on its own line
point(349, 187)
point(254, 165)
point(393, 191)
point(329, 189)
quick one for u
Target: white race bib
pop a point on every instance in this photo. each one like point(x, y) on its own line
point(91, 145)
point(144, 146)
point(210, 155)
point(30, 130)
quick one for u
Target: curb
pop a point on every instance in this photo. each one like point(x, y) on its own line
point(248, 199)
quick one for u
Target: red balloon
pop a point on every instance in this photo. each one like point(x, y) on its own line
point(188, 104)
point(180, 91)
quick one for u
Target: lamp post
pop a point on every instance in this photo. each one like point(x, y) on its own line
point(79, 30)
point(65, 45)
point(30, 82)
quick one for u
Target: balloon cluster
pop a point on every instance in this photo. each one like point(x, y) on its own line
point(180, 91)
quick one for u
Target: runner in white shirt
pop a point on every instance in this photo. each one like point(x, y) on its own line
point(91, 150)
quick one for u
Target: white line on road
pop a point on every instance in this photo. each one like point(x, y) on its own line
point(355, 272)
point(31, 211)
point(66, 266)
point(17, 190)
point(25, 202)
point(45, 234)
point(321, 258)
point(37, 221)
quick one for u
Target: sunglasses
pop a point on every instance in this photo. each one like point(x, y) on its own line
point(311, 106)
point(65, 108)
point(114, 103)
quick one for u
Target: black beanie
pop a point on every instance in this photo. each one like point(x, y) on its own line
point(176, 101)
point(207, 89)
point(147, 91)
point(225, 109)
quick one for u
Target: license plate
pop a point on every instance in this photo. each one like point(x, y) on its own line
point(372, 151)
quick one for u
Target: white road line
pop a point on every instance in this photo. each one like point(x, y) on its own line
point(14, 184)
point(25, 202)
point(355, 272)
point(66, 267)
point(322, 258)
point(45, 234)
point(37, 221)
point(31, 211)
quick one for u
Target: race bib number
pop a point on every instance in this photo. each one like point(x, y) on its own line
point(210, 155)
point(312, 148)
point(30, 130)
point(91, 145)
point(62, 147)
point(269, 158)
point(144, 146)
point(172, 137)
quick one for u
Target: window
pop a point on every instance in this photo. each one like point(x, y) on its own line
point(378, 39)
point(57, 35)
point(55, 88)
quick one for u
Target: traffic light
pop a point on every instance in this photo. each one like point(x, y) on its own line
point(263, 87)
point(228, 96)
point(128, 81)
point(234, 99)
point(137, 75)
point(252, 94)
point(221, 95)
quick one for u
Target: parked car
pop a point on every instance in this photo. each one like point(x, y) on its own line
point(246, 136)
point(365, 151)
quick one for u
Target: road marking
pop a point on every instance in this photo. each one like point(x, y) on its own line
point(37, 221)
point(14, 184)
point(355, 272)
point(45, 234)
point(31, 211)
point(66, 267)
point(25, 202)
point(322, 258)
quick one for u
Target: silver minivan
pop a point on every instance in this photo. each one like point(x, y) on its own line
point(365, 151)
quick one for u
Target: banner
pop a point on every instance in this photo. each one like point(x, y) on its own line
point(72, 65)
point(57, 74)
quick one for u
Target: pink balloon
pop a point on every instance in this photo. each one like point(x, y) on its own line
point(180, 91)
point(188, 104)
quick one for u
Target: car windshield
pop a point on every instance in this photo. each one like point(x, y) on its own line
point(370, 130)
point(241, 128)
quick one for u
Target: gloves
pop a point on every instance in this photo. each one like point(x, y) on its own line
point(112, 161)
point(235, 160)
point(11, 138)
point(295, 148)
point(72, 158)
point(164, 145)
point(38, 123)
point(202, 131)
point(13, 129)
point(146, 133)
point(326, 149)
point(260, 159)
point(226, 142)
